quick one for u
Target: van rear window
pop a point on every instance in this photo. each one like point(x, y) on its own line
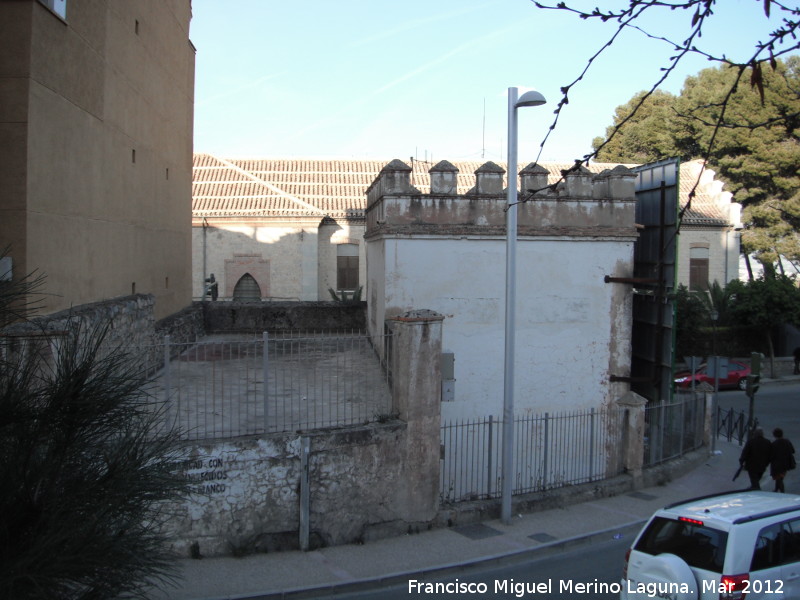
point(698, 545)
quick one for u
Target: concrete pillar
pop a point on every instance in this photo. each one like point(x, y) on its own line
point(416, 393)
point(633, 433)
point(710, 424)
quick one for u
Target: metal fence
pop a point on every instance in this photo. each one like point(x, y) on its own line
point(550, 451)
point(218, 388)
point(733, 425)
point(673, 429)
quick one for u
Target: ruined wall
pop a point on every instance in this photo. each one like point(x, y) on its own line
point(363, 482)
point(246, 491)
point(255, 317)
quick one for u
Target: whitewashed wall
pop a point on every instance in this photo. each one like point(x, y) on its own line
point(565, 317)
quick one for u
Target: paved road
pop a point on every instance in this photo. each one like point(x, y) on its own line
point(558, 576)
point(776, 405)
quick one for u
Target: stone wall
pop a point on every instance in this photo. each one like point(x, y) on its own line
point(246, 491)
point(248, 317)
point(126, 322)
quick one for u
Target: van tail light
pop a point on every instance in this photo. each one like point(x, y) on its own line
point(625, 564)
point(733, 586)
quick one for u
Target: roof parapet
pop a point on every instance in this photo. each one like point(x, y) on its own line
point(444, 178)
point(488, 180)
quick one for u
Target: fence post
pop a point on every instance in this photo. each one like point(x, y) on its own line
point(591, 445)
point(489, 474)
point(633, 452)
point(710, 424)
point(171, 408)
point(305, 493)
point(545, 474)
point(265, 375)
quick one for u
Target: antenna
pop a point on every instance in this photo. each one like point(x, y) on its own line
point(483, 134)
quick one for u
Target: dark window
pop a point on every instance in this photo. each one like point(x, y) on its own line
point(347, 267)
point(699, 546)
point(247, 289)
point(777, 545)
point(698, 268)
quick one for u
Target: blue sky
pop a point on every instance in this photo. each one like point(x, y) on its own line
point(425, 78)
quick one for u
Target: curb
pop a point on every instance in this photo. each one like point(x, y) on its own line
point(442, 571)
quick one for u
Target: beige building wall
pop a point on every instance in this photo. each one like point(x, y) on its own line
point(280, 255)
point(96, 161)
point(292, 259)
point(723, 253)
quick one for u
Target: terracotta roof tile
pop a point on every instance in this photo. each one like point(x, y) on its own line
point(336, 188)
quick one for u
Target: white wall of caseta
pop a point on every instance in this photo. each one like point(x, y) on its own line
point(572, 329)
point(446, 252)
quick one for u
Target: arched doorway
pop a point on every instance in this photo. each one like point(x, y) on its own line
point(246, 289)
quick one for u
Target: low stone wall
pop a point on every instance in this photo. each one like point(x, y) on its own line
point(247, 491)
point(255, 317)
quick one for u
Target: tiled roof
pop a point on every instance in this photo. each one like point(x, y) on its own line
point(336, 188)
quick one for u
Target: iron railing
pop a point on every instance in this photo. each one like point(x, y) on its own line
point(673, 429)
point(550, 451)
point(219, 388)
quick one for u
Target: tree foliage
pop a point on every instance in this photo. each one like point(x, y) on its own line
point(756, 152)
point(742, 117)
point(87, 466)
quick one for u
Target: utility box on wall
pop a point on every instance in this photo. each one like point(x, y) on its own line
point(448, 377)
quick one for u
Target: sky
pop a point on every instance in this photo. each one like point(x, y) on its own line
point(428, 79)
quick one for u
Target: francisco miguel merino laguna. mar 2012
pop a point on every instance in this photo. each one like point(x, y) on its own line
point(562, 586)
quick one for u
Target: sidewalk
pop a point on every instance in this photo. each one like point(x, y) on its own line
point(430, 554)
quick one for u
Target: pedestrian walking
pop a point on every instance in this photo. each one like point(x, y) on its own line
point(782, 459)
point(796, 355)
point(756, 456)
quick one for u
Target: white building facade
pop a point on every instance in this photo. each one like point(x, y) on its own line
point(445, 251)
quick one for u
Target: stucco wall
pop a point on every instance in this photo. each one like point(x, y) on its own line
point(298, 256)
point(565, 313)
point(287, 251)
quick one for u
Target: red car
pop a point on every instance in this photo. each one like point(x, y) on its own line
point(737, 376)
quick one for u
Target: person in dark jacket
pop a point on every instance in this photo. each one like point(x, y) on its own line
point(782, 458)
point(756, 456)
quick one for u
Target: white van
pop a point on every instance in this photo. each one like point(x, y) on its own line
point(732, 546)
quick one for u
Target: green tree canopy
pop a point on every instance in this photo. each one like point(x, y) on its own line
point(754, 144)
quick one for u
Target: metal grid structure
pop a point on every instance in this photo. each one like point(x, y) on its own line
point(673, 429)
point(550, 451)
point(215, 388)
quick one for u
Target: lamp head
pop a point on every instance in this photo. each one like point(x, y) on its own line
point(530, 98)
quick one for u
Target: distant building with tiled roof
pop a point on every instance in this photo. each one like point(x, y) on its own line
point(295, 226)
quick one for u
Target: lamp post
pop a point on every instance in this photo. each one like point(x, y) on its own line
point(529, 98)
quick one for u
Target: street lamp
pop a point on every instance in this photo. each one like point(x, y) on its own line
point(529, 98)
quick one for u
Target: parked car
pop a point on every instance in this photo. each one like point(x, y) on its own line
point(737, 376)
point(726, 546)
